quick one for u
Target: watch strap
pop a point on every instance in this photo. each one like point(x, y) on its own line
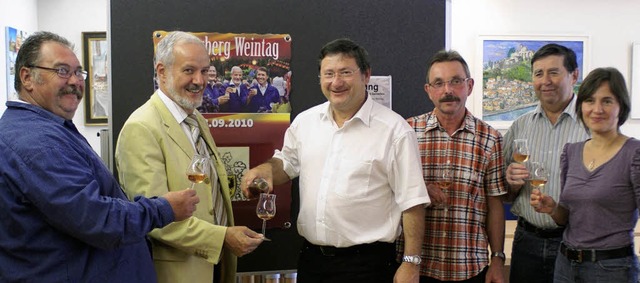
point(499, 254)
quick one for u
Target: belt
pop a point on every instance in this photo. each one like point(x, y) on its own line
point(540, 232)
point(594, 255)
point(374, 247)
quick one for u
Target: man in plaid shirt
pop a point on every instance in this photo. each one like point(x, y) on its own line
point(466, 215)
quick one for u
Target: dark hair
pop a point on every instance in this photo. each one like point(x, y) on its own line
point(347, 47)
point(570, 62)
point(29, 53)
point(263, 69)
point(448, 56)
point(617, 85)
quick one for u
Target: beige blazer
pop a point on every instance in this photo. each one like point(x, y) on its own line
point(152, 155)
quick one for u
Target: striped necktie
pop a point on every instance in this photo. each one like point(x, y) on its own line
point(201, 148)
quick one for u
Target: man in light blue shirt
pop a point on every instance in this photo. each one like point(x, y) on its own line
point(547, 128)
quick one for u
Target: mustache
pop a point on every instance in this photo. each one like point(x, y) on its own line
point(449, 98)
point(71, 90)
point(195, 88)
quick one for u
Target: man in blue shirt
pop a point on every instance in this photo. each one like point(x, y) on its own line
point(64, 217)
point(261, 96)
point(213, 98)
point(236, 91)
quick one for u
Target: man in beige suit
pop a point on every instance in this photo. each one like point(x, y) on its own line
point(153, 152)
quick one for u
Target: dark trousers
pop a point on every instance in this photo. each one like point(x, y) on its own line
point(533, 256)
point(480, 278)
point(368, 263)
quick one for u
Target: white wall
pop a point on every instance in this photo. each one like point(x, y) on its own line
point(20, 15)
point(612, 27)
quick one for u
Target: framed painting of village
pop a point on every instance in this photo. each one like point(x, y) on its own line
point(505, 69)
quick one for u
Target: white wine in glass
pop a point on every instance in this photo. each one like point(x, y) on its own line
point(520, 150)
point(198, 169)
point(266, 210)
point(444, 180)
point(539, 175)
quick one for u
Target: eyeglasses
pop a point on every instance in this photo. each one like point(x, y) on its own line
point(344, 74)
point(63, 72)
point(454, 83)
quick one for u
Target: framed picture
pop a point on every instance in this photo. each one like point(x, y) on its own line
point(14, 41)
point(507, 88)
point(97, 96)
point(635, 81)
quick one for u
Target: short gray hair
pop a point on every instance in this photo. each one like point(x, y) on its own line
point(164, 50)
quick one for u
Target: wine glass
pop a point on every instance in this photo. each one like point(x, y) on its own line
point(198, 169)
point(444, 180)
point(266, 209)
point(520, 150)
point(539, 175)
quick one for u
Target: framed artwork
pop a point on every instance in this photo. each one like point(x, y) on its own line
point(635, 81)
point(97, 96)
point(507, 88)
point(14, 41)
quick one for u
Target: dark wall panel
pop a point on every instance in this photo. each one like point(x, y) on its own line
point(400, 36)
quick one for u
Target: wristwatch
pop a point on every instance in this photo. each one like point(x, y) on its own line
point(413, 259)
point(500, 255)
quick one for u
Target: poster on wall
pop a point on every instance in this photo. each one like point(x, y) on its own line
point(14, 39)
point(246, 104)
point(379, 89)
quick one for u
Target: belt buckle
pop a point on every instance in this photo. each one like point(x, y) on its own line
point(579, 252)
point(327, 251)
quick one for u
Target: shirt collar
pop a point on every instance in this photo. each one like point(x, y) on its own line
point(176, 111)
point(468, 124)
point(570, 110)
point(37, 109)
point(363, 114)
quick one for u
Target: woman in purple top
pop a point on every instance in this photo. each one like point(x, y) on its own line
point(600, 180)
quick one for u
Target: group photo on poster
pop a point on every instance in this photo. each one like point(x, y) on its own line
point(248, 73)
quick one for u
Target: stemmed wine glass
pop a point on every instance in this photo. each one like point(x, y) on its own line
point(444, 180)
point(520, 150)
point(539, 175)
point(266, 209)
point(198, 169)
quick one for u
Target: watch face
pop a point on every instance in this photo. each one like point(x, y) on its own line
point(412, 259)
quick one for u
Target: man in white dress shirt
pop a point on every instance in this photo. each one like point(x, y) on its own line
point(360, 175)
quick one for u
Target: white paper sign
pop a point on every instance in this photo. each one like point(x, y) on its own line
point(379, 89)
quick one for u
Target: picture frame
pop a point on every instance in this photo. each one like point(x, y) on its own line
point(635, 80)
point(503, 73)
point(97, 99)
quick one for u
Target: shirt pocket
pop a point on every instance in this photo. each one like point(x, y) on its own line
point(353, 177)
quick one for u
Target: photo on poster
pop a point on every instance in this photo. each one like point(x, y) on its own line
point(248, 73)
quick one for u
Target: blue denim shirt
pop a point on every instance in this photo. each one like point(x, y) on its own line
point(64, 217)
